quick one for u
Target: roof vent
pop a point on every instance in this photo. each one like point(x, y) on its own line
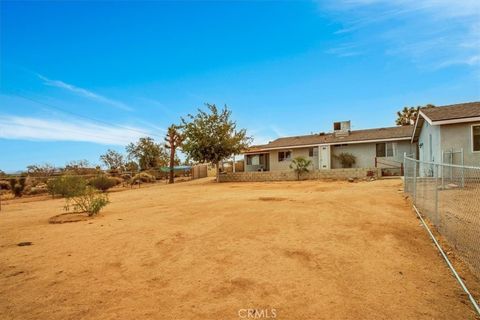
point(341, 129)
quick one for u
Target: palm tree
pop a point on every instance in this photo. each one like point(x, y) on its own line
point(300, 165)
point(174, 140)
point(407, 116)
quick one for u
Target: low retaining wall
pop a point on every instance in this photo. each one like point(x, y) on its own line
point(333, 174)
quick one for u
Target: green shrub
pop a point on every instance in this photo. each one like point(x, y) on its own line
point(143, 177)
point(66, 186)
point(102, 182)
point(346, 159)
point(89, 201)
point(300, 165)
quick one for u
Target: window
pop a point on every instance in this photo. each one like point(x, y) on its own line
point(381, 152)
point(385, 149)
point(389, 149)
point(476, 137)
point(284, 155)
point(337, 126)
point(310, 152)
point(254, 160)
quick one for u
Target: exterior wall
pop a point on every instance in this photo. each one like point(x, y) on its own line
point(366, 153)
point(424, 143)
point(363, 152)
point(275, 165)
point(457, 137)
point(334, 174)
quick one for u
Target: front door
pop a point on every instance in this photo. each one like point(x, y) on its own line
point(324, 157)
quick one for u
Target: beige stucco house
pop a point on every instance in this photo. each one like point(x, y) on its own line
point(381, 148)
point(449, 134)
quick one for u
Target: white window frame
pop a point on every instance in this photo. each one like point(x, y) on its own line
point(471, 136)
point(284, 158)
point(394, 149)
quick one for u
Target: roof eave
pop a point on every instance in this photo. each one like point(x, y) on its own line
point(263, 150)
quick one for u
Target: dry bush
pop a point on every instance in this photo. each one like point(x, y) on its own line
point(40, 188)
point(89, 201)
point(102, 182)
point(18, 186)
point(66, 186)
point(143, 177)
point(4, 185)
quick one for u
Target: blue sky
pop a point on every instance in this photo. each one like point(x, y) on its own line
point(77, 78)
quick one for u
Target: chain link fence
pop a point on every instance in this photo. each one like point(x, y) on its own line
point(449, 197)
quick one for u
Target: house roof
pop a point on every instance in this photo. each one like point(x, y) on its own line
point(356, 136)
point(455, 113)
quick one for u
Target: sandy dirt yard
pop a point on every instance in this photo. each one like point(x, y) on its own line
point(201, 250)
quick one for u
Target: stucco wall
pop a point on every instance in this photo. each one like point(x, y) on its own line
point(424, 143)
point(275, 165)
point(458, 136)
point(365, 154)
point(335, 174)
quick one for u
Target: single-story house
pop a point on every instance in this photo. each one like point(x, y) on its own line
point(449, 134)
point(381, 148)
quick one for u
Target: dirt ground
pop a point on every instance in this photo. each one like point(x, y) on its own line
point(201, 250)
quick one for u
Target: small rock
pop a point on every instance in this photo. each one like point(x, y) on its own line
point(351, 180)
point(24, 244)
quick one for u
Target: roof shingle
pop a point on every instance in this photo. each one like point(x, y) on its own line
point(354, 136)
point(454, 111)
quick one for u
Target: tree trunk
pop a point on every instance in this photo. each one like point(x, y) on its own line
point(218, 171)
point(172, 164)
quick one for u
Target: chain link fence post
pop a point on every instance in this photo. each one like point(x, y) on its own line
point(414, 182)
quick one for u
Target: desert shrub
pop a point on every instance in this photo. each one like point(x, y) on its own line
point(66, 186)
point(117, 180)
point(38, 189)
point(22, 181)
point(102, 182)
point(18, 190)
point(18, 186)
point(4, 185)
point(89, 201)
point(143, 177)
point(346, 159)
point(12, 182)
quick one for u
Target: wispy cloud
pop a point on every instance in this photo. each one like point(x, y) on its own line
point(84, 93)
point(345, 50)
point(40, 129)
point(278, 132)
point(431, 33)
